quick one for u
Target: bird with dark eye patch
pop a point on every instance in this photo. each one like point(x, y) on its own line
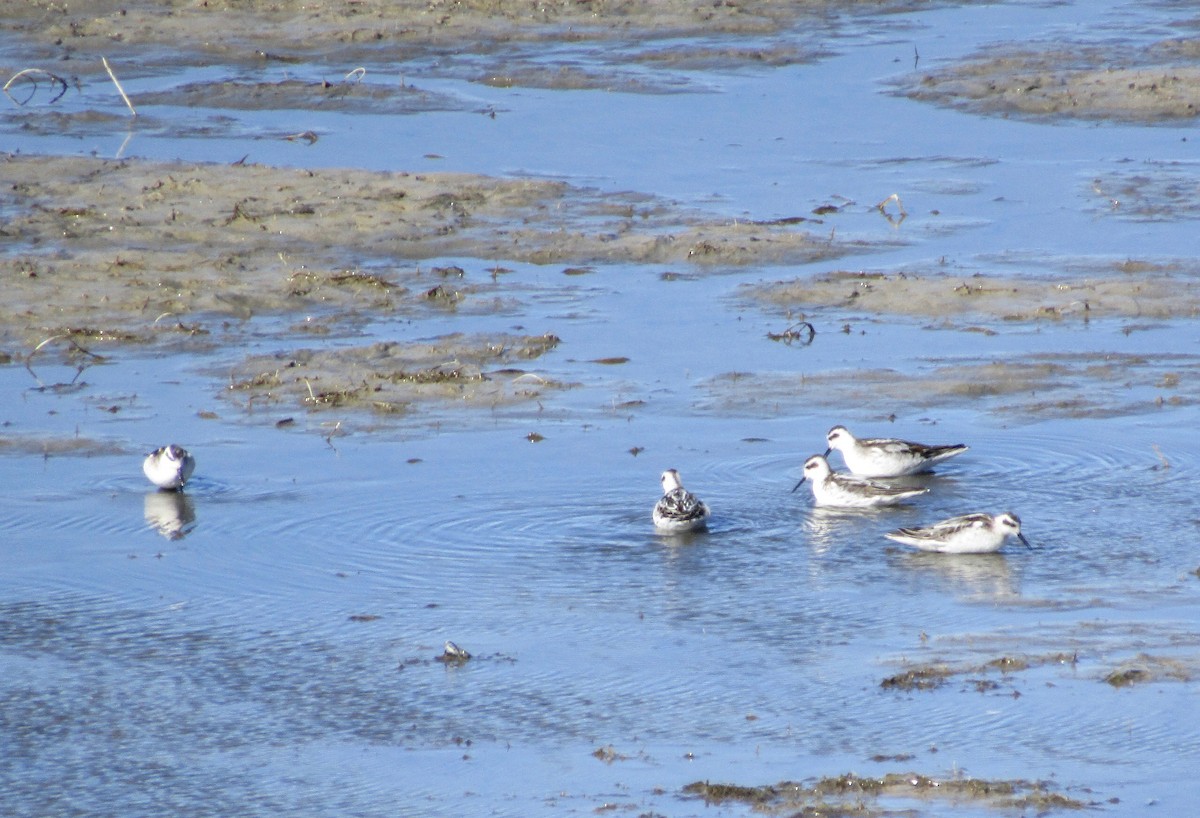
point(848, 491)
point(887, 456)
point(969, 534)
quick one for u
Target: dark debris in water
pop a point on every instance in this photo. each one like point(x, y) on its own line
point(608, 754)
point(880, 758)
point(919, 678)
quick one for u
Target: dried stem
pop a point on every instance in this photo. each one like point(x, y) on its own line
point(117, 83)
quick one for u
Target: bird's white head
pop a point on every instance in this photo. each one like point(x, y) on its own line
point(671, 481)
point(838, 438)
point(815, 468)
point(1010, 524)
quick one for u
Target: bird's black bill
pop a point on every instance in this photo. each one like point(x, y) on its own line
point(802, 479)
point(1021, 537)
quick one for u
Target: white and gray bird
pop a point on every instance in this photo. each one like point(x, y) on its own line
point(679, 510)
point(887, 456)
point(969, 534)
point(848, 491)
point(169, 467)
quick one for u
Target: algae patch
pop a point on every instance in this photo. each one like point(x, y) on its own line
point(1145, 668)
point(933, 675)
point(391, 377)
point(853, 794)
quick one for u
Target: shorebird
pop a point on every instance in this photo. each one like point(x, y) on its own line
point(679, 510)
point(887, 456)
point(969, 534)
point(832, 489)
point(169, 467)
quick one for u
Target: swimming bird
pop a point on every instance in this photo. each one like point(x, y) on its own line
point(679, 510)
point(169, 467)
point(887, 456)
point(452, 654)
point(831, 489)
point(968, 534)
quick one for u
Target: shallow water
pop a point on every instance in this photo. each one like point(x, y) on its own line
point(265, 643)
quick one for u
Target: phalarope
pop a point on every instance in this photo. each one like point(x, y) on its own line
point(169, 467)
point(452, 654)
point(968, 534)
point(830, 489)
point(886, 456)
point(679, 510)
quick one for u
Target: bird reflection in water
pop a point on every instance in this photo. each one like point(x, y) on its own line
point(170, 513)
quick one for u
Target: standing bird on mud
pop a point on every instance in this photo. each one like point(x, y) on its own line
point(887, 456)
point(679, 510)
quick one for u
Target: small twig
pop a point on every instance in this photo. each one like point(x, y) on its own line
point(117, 83)
point(357, 73)
point(73, 342)
point(48, 340)
point(29, 72)
point(802, 333)
point(1166, 464)
point(895, 197)
point(882, 208)
point(337, 428)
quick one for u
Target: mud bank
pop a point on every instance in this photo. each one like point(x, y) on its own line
point(1158, 84)
point(1128, 290)
point(868, 796)
point(138, 252)
point(235, 32)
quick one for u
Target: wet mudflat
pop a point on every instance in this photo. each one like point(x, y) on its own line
point(434, 294)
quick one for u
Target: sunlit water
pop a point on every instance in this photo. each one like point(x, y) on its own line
point(265, 643)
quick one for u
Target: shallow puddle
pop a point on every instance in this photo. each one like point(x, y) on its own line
point(434, 295)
